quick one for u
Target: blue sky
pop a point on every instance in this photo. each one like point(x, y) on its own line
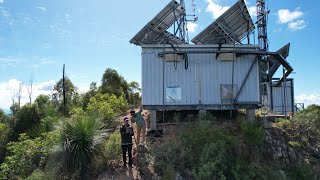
point(37, 37)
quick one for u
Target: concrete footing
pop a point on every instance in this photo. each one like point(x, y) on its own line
point(202, 113)
point(251, 113)
point(153, 120)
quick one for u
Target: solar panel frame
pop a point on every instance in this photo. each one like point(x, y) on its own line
point(159, 24)
point(236, 18)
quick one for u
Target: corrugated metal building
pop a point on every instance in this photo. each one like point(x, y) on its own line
point(282, 97)
point(217, 72)
point(202, 81)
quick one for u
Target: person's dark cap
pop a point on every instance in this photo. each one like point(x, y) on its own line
point(126, 119)
point(132, 111)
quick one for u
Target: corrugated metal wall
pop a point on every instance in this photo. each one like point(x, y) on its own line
point(200, 83)
point(282, 98)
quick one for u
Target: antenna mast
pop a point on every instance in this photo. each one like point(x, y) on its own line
point(181, 30)
point(262, 14)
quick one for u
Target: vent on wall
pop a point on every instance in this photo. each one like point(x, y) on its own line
point(172, 57)
point(226, 93)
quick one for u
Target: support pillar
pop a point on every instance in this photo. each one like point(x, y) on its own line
point(251, 113)
point(153, 120)
point(203, 114)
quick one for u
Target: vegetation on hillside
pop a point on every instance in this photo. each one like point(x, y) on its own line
point(48, 140)
point(71, 138)
point(208, 149)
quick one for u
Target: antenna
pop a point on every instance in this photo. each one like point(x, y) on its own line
point(262, 15)
point(180, 27)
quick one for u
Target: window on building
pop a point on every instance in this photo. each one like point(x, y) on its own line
point(173, 94)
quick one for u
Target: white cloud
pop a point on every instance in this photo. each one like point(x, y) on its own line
point(285, 16)
point(215, 9)
point(192, 27)
point(308, 99)
point(46, 86)
point(8, 88)
point(11, 62)
point(42, 61)
point(46, 61)
point(252, 11)
point(297, 25)
point(44, 9)
point(277, 30)
point(7, 60)
point(1, 1)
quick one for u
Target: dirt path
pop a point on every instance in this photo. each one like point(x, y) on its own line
point(123, 174)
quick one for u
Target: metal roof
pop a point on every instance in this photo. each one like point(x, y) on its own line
point(155, 31)
point(232, 25)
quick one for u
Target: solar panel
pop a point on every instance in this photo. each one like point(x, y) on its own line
point(284, 51)
point(152, 32)
point(167, 38)
point(232, 26)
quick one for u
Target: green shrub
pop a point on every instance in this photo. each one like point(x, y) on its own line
point(301, 172)
point(244, 169)
point(26, 154)
point(106, 106)
point(39, 175)
point(80, 138)
point(46, 125)
point(213, 162)
point(4, 137)
point(110, 151)
point(173, 153)
point(253, 132)
point(26, 118)
point(169, 173)
point(294, 144)
point(309, 118)
point(112, 147)
point(200, 148)
point(284, 123)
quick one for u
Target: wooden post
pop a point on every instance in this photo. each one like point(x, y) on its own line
point(64, 91)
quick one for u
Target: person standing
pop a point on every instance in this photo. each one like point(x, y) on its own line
point(137, 118)
point(126, 132)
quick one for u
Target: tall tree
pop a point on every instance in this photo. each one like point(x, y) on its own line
point(27, 117)
point(30, 89)
point(13, 96)
point(70, 94)
point(19, 93)
point(134, 94)
point(134, 87)
point(113, 83)
point(91, 93)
